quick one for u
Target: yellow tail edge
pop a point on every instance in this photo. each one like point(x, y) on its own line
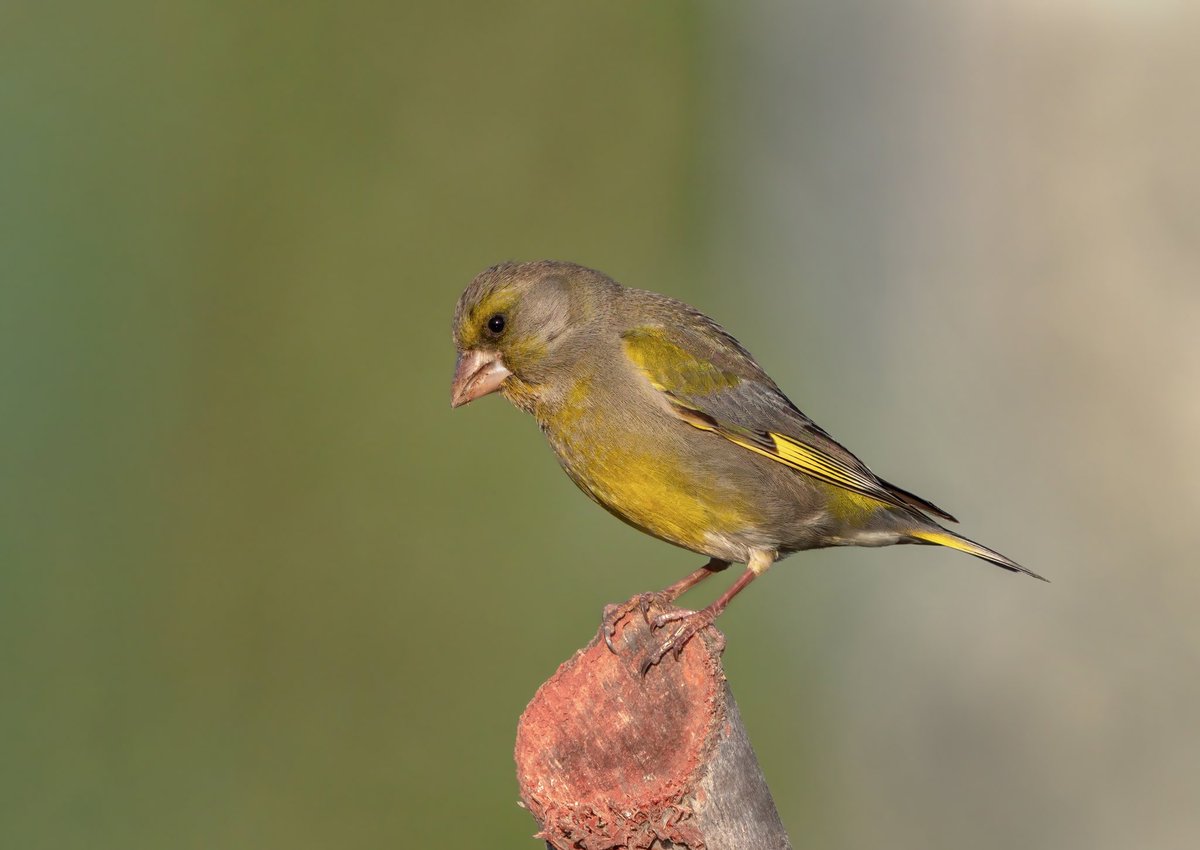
point(962, 544)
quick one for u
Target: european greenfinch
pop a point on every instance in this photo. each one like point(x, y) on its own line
point(666, 421)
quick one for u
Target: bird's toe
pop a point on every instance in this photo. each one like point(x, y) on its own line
point(690, 622)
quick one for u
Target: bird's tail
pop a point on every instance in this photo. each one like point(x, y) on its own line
point(941, 537)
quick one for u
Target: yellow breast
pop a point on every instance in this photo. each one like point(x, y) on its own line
point(653, 490)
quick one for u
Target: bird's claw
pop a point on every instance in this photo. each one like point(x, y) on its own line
point(643, 602)
point(647, 601)
point(612, 616)
point(692, 622)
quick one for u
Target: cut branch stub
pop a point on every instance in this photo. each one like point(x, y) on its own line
point(607, 758)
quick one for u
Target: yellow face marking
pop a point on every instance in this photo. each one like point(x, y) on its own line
point(470, 333)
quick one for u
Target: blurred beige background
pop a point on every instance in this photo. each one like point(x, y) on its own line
point(260, 588)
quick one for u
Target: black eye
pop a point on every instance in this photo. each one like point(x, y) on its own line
point(496, 324)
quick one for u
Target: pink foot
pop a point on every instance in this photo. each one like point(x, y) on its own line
point(643, 602)
point(690, 622)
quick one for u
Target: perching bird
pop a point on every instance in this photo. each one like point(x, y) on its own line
point(666, 421)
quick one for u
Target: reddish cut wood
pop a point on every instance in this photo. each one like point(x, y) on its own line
point(607, 758)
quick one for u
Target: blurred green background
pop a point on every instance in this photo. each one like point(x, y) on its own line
point(260, 588)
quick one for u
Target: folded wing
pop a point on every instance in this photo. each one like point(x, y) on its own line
point(711, 382)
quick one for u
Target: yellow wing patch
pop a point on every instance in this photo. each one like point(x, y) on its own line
point(820, 464)
point(815, 463)
point(678, 374)
point(792, 453)
point(670, 368)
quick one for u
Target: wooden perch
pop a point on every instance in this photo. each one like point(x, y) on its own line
point(608, 759)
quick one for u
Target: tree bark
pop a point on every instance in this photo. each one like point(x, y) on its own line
point(608, 759)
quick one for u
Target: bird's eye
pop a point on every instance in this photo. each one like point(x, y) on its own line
point(496, 324)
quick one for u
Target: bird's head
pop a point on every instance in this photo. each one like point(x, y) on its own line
point(525, 321)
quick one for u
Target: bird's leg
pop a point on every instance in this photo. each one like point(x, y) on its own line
point(662, 598)
point(668, 595)
point(697, 620)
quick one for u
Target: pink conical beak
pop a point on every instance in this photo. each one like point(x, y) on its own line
point(476, 374)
